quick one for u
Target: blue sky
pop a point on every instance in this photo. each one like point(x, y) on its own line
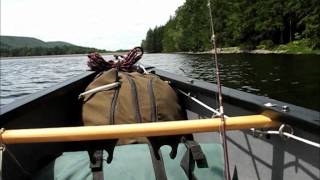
point(106, 24)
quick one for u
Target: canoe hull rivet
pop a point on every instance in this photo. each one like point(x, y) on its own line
point(285, 108)
point(191, 81)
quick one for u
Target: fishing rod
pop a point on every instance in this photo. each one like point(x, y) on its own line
point(221, 109)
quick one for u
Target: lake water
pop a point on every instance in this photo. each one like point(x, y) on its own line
point(291, 78)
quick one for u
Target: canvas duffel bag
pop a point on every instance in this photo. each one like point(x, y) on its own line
point(139, 98)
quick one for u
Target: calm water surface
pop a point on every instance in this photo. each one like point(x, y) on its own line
point(291, 78)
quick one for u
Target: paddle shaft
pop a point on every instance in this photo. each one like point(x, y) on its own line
point(84, 133)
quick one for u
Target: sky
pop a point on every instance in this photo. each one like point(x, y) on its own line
point(104, 24)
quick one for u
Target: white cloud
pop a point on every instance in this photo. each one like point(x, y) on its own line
point(117, 24)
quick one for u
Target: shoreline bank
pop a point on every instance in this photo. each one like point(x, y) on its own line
point(237, 50)
point(228, 50)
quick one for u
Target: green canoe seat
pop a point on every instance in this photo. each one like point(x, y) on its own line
point(133, 162)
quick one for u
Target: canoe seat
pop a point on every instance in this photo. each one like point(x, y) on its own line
point(133, 162)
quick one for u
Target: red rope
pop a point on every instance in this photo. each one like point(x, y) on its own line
point(97, 63)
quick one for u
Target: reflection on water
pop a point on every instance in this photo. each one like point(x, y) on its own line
point(290, 78)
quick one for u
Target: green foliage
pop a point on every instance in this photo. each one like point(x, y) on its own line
point(58, 43)
point(298, 46)
point(297, 36)
point(248, 46)
point(266, 44)
point(172, 33)
point(244, 23)
point(153, 42)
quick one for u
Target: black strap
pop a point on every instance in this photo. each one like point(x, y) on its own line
point(158, 165)
point(114, 98)
point(157, 142)
point(95, 151)
point(113, 106)
point(153, 103)
point(135, 99)
point(117, 72)
point(194, 154)
point(96, 164)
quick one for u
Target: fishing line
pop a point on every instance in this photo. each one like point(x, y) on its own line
point(221, 109)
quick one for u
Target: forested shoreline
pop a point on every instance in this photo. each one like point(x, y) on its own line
point(248, 24)
point(43, 51)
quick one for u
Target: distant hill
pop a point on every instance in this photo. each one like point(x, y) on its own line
point(58, 43)
point(28, 46)
point(20, 42)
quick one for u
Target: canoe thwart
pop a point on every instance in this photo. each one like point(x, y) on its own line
point(85, 133)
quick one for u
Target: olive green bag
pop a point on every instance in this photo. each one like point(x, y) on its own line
point(117, 97)
point(139, 98)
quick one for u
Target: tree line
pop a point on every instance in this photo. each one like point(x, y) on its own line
point(244, 23)
point(40, 51)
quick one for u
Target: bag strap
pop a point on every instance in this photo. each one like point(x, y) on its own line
point(95, 151)
point(194, 154)
point(158, 165)
point(153, 103)
point(114, 98)
point(135, 100)
point(96, 164)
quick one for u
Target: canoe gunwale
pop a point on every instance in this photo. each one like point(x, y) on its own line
point(296, 116)
point(30, 101)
